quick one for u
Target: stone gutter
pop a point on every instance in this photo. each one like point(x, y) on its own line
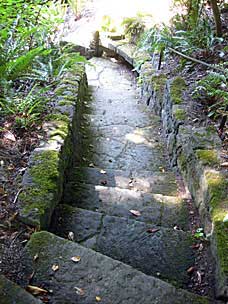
point(194, 150)
point(42, 183)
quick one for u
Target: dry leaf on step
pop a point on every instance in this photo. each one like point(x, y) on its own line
point(135, 212)
point(55, 267)
point(79, 291)
point(98, 299)
point(76, 258)
point(36, 290)
point(152, 230)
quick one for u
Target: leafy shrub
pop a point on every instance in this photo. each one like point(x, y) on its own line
point(212, 91)
point(133, 27)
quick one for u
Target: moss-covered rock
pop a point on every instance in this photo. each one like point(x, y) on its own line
point(179, 114)
point(208, 157)
point(39, 197)
point(218, 193)
point(43, 181)
point(177, 86)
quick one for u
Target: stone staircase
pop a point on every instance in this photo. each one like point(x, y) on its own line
point(122, 210)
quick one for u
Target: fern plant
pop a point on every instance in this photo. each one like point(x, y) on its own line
point(212, 92)
point(13, 69)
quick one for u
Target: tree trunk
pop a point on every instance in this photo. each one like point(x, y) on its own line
point(216, 13)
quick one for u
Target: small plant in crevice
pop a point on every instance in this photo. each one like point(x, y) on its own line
point(199, 233)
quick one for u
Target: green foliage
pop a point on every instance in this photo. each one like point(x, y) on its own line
point(212, 91)
point(108, 24)
point(133, 27)
point(77, 6)
point(30, 59)
point(199, 234)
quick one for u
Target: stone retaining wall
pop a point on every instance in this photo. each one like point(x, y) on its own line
point(43, 181)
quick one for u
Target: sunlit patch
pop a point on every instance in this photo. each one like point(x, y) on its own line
point(136, 138)
point(158, 12)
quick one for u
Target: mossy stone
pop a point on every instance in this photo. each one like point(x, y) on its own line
point(177, 86)
point(208, 157)
point(179, 114)
point(39, 199)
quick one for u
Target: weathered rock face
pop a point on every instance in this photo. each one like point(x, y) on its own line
point(96, 277)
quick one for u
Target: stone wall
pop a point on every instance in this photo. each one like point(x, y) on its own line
point(43, 181)
point(195, 150)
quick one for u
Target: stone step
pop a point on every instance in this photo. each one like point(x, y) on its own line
point(11, 293)
point(147, 181)
point(157, 209)
point(96, 278)
point(161, 252)
point(91, 121)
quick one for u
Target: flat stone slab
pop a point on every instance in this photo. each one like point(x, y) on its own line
point(165, 253)
point(11, 293)
point(147, 181)
point(157, 209)
point(96, 277)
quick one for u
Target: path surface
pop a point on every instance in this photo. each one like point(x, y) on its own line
point(121, 206)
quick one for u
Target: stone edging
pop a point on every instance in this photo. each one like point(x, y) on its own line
point(195, 150)
point(43, 181)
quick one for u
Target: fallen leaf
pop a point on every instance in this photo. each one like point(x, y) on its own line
point(79, 291)
point(76, 258)
point(98, 299)
point(35, 257)
point(152, 230)
point(190, 270)
point(71, 236)
point(103, 171)
point(2, 191)
point(36, 290)
point(135, 212)
point(55, 267)
point(103, 182)
point(199, 277)
point(9, 135)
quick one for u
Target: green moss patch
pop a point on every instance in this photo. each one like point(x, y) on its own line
point(38, 200)
point(177, 87)
point(218, 192)
point(179, 114)
point(158, 82)
point(208, 157)
point(221, 236)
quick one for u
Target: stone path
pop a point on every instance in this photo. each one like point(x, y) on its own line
point(121, 207)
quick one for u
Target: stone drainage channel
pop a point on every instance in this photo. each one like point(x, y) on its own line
point(121, 206)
